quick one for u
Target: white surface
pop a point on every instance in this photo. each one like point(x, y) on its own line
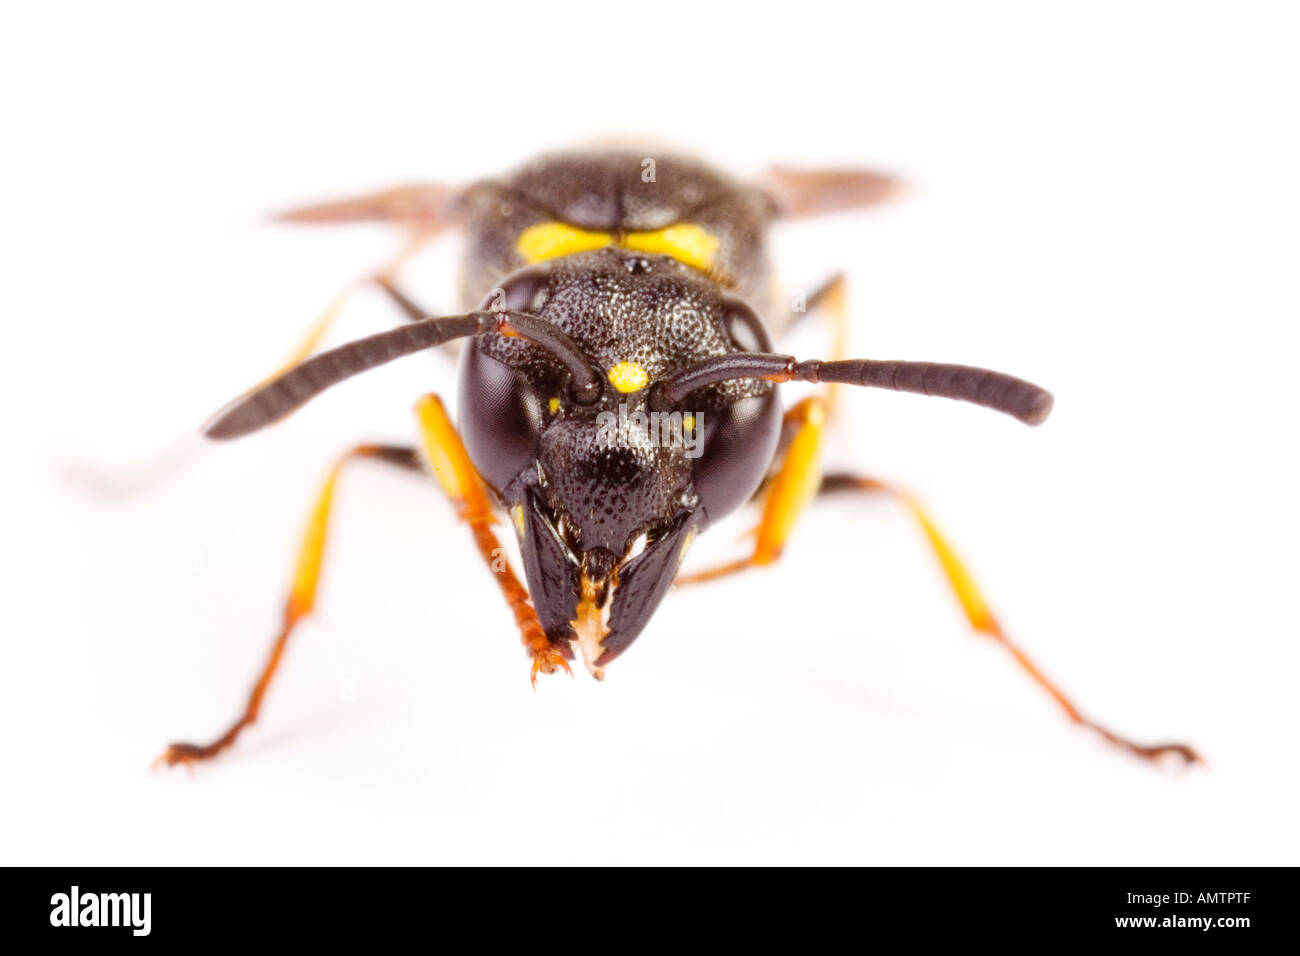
point(1103, 200)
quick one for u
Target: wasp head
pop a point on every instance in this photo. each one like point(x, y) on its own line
point(607, 488)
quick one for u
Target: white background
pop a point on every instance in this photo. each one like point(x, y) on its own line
point(1103, 197)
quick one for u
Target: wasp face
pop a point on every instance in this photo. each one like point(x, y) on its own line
point(610, 477)
point(606, 495)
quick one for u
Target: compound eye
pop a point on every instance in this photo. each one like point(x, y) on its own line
point(739, 441)
point(524, 290)
point(744, 326)
point(500, 417)
point(738, 444)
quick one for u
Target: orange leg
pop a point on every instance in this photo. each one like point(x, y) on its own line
point(302, 598)
point(828, 295)
point(413, 311)
point(982, 620)
point(799, 478)
point(451, 465)
point(781, 509)
point(171, 461)
point(829, 301)
point(422, 210)
point(179, 455)
point(787, 493)
point(382, 277)
point(315, 334)
point(833, 298)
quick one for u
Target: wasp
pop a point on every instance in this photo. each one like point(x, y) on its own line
point(618, 394)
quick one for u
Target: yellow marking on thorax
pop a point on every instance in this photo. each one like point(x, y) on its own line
point(550, 240)
point(553, 405)
point(628, 377)
point(686, 242)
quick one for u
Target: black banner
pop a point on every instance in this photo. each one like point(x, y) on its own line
point(218, 905)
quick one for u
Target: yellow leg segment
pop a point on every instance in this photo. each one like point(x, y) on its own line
point(455, 472)
point(982, 620)
point(828, 301)
point(312, 340)
point(788, 493)
point(320, 328)
point(798, 477)
point(301, 600)
point(172, 460)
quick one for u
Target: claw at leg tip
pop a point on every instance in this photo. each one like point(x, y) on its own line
point(548, 660)
point(1165, 753)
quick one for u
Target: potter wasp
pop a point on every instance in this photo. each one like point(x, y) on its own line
point(619, 393)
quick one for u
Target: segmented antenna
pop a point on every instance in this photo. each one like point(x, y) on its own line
point(297, 386)
point(995, 390)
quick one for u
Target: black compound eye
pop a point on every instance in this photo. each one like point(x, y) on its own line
point(500, 417)
point(739, 441)
point(737, 445)
point(525, 290)
point(744, 326)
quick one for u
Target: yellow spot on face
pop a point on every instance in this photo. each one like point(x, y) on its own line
point(688, 422)
point(628, 377)
point(517, 515)
point(550, 240)
point(685, 242)
point(553, 405)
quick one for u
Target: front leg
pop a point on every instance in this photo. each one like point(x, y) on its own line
point(787, 491)
point(447, 457)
